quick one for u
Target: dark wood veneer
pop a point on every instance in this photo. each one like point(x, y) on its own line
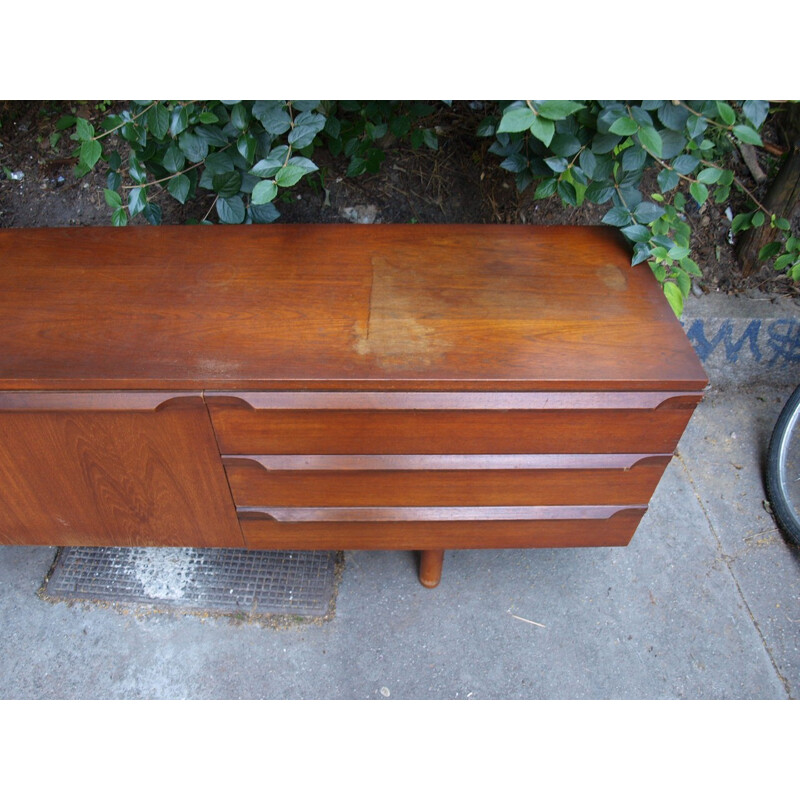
point(334, 386)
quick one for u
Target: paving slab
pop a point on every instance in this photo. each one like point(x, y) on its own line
point(724, 452)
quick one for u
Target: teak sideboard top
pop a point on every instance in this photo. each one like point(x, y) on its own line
point(339, 307)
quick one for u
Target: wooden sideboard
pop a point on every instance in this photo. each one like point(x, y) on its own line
point(415, 387)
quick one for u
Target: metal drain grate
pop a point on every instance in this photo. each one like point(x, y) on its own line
point(254, 582)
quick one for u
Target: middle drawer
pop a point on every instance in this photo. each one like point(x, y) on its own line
point(443, 480)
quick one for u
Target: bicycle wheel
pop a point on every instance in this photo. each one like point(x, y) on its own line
point(783, 468)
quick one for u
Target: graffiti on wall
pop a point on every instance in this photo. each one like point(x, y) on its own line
point(772, 342)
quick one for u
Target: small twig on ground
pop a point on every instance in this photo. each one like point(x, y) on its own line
point(527, 620)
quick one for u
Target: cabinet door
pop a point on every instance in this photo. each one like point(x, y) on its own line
point(123, 469)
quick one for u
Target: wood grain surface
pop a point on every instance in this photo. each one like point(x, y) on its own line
point(433, 307)
point(252, 484)
point(101, 478)
point(402, 535)
point(241, 431)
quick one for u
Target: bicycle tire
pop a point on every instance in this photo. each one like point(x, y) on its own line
point(783, 468)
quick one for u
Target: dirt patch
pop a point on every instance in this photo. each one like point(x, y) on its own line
point(461, 182)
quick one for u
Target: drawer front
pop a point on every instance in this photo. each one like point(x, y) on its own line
point(443, 480)
point(297, 423)
point(432, 529)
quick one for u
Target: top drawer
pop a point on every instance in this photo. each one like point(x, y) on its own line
point(284, 423)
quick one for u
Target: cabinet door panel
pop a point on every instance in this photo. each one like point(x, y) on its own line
point(115, 476)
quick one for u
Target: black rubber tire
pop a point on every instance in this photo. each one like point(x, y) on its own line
point(787, 426)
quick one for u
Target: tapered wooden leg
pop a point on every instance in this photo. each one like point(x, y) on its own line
point(430, 567)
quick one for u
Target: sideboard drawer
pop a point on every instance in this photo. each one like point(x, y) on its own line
point(297, 423)
point(439, 528)
point(485, 480)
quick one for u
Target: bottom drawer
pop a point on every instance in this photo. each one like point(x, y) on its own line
point(438, 528)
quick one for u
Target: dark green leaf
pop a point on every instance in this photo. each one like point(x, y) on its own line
point(685, 164)
point(136, 170)
point(709, 175)
point(696, 126)
point(557, 164)
point(782, 224)
point(684, 281)
point(631, 196)
point(357, 166)
point(214, 135)
point(690, 266)
point(784, 261)
point(158, 120)
point(647, 212)
point(633, 158)
point(746, 134)
point(306, 164)
point(239, 117)
point(699, 192)
point(599, 193)
point(558, 109)
point(588, 163)
point(289, 175)
point(267, 167)
point(617, 216)
point(486, 127)
point(193, 147)
point(756, 112)
point(112, 198)
point(636, 233)
point(624, 126)
point(264, 192)
point(667, 180)
point(545, 189)
point(677, 252)
point(758, 219)
point(230, 209)
point(306, 127)
point(246, 146)
point(91, 152)
point(137, 200)
point(769, 250)
point(430, 139)
point(675, 298)
point(305, 105)
point(672, 144)
point(727, 114)
point(217, 163)
point(264, 214)
point(641, 252)
point(272, 114)
point(67, 121)
point(672, 116)
point(113, 181)
point(227, 184)
point(605, 143)
point(563, 144)
point(173, 159)
point(208, 117)
point(152, 213)
point(651, 140)
point(566, 191)
point(179, 121)
point(741, 222)
point(119, 218)
point(179, 187)
point(84, 130)
point(516, 120)
point(515, 163)
point(543, 130)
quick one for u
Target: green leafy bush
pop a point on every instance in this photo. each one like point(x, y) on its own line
point(245, 153)
point(598, 151)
